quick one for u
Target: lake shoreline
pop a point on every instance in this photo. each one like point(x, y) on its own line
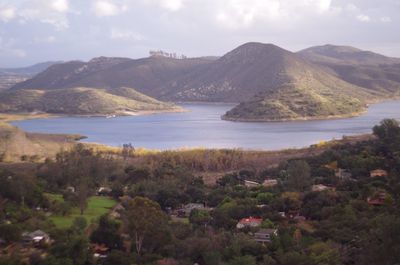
point(202, 127)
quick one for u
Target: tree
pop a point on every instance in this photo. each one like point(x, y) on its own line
point(10, 232)
point(199, 217)
point(388, 131)
point(299, 177)
point(107, 233)
point(243, 260)
point(79, 225)
point(127, 150)
point(143, 217)
point(382, 243)
point(117, 258)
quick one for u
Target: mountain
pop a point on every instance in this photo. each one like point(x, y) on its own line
point(362, 68)
point(11, 76)
point(272, 84)
point(145, 75)
point(268, 82)
point(345, 55)
point(82, 101)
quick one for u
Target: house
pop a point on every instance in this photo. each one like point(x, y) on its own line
point(36, 238)
point(378, 173)
point(104, 191)
point(295, 215)
point(249, 222)
point(270, 182)
point(265, 235)
point(342, 174)
point(117, 210)
point(320, 187)
point(100, 251)
point(377, 199)
point(251, 184)
point(188, 208)
point(70, 189)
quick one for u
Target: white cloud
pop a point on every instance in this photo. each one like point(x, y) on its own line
point(363, 18)
point(125, 34)
point(169, 5)
point(104, 8)
point(172, 5)
point(385, 19)
point(7, 13)
point(244, 13)
point(42, 14)
point(60, 5)
point(351, 7)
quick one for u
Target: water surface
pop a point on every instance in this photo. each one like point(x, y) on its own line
point(202, 127)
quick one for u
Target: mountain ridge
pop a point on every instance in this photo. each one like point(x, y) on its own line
point(270, 83)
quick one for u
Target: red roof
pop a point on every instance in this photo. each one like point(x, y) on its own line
point(249, 220)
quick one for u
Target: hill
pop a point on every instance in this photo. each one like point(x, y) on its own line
point(16, 145)
point(82, 101)
point(272, 84)
point(11, 76)
point(363, 68)
point(269, 82)
point(145, 75)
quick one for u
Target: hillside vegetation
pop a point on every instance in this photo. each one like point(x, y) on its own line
point(362, 68)
point(81, 100)
point(269, 82)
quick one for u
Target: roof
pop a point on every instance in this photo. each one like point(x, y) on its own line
point(250, 182)
point(250, 220)
point(378, 172)
point(37, 233)
point(270, 182)
point(267, 231)
point(319, 187)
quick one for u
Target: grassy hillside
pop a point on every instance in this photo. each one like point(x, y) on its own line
point(17, 145)
point(285, 87)
point(362, 68)
point(270, 83)
point(297, 102)
point(145, 75)
point(80, 101)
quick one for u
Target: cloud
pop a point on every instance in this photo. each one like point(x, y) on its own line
point(244, 13)
point(60, 5)
point(125, 34)
point(48, 39)
point(7, 13)
point(172, 5)
point(169, 5)
point(104, 8)
point(363, 18)
point(385, 19)
point(8, 51)
point(43, 15)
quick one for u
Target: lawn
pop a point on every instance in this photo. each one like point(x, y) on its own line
point(97, 206)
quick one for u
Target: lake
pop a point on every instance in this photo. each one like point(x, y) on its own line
point(202, 127)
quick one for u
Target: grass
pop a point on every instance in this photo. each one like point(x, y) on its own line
point(97, 206)
point(81, 101)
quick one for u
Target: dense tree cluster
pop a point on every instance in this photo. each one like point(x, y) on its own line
point(333, 226)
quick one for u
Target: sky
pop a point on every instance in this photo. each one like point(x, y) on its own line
point(33, 31)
